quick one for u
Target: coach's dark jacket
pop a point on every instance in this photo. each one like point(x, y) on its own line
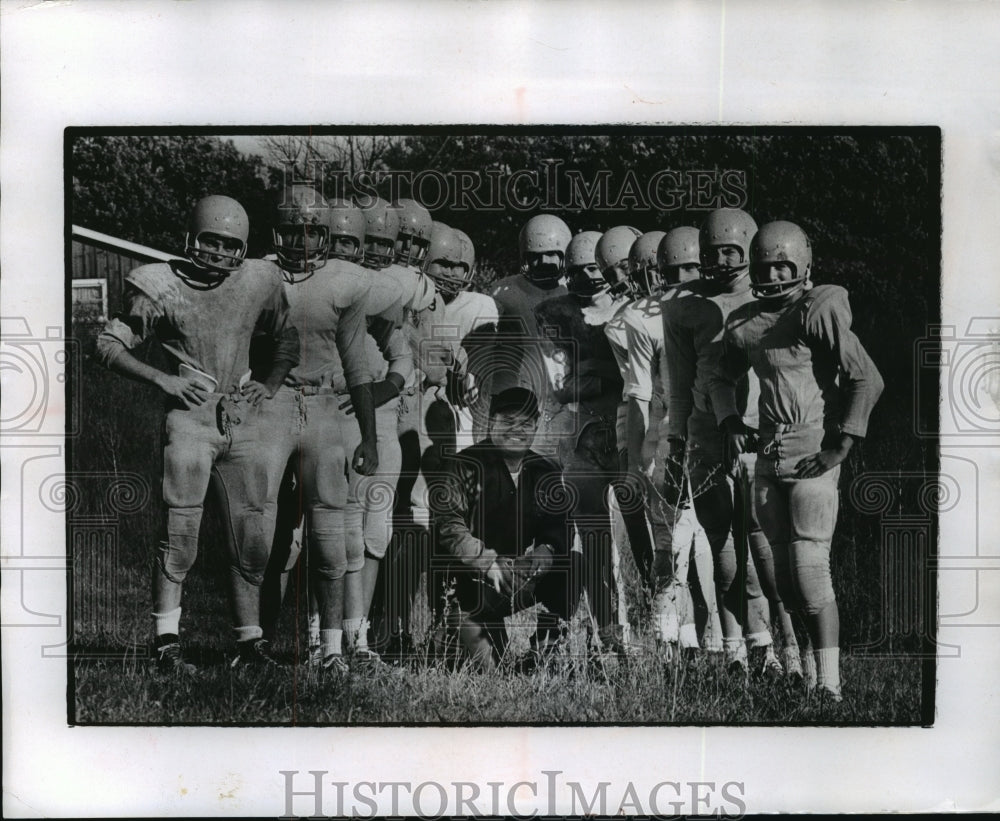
point(479, 513)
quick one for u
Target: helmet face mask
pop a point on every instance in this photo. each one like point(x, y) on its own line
point(302, 232)
point(586, 282)
point(780, 261)
point(216, 241)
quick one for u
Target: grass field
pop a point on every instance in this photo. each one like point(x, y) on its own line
point(112, 680)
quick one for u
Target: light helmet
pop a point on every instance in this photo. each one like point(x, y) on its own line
point(346, 220)
point(544, 234)
point(580, 250)
point(381, 230)
point(726, 226)
point(642, 266)
point(303, 214)
point(678, 248)
point(779, 242)
point(612, 257)
point(414, 233)
point(443, 264)
point(225, 217)
point(468, 252)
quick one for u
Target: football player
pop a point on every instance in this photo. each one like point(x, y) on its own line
point(818, 387)
point(204, 311)
point(659, 273)
point(589, 386)
point(696, 407)
point(305, 423)
point(613, 260)
point(390, 358)
point(519, 358)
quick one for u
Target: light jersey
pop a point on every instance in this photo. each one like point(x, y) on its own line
point(813, 370)
point(692, 339)
point(646, 369)
point(455, 320)
point(523, 362)
point(329, 308)
point(209, 329)
point(611, 316)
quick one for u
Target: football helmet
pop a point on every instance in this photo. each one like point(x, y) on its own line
point(612, 257)
point(726, 226)
point(443, 264)
point(346, 220)
point(779, 242)
point(642, 267)
point(543, 234)
point(678, 248)
point(302, 230)
point(580, 250)
point(468, 252)
point(224, 217)
point(381, 230)
point(414, 233)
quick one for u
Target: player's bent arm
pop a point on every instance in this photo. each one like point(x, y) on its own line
point(365, 460)
point(398, 354)
point(829, 321)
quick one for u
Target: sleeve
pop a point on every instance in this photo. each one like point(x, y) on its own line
point(641, 363)
point(399, 355)
point(679, 352)
point(352, 327)
point(828, 323)
point(275, 321)
point(451, 502)
point(130, 328)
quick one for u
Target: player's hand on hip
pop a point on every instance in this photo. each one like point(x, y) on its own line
point(365, 459)
point(255, 393)
point(190, 393)
point(819, 463)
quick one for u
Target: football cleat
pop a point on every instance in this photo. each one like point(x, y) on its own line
point(169, 660)
point(253, 653)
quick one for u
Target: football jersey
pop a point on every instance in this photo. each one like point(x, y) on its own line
point(523, 362)
point(330, 308)
point(207, 328)
point(692, 339)
point(813, 370)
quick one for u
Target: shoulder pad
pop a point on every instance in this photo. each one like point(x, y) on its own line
point(156, 280)
point(826, 302)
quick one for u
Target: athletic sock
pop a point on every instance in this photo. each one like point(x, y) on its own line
point(689, 635)
point(828, 668)
point(248, 633)
point(164, 623)
point(352, 627)
point(331, 642)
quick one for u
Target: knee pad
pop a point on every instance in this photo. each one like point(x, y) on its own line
point(177, 554)
point(328, 543)
point(812, 573)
